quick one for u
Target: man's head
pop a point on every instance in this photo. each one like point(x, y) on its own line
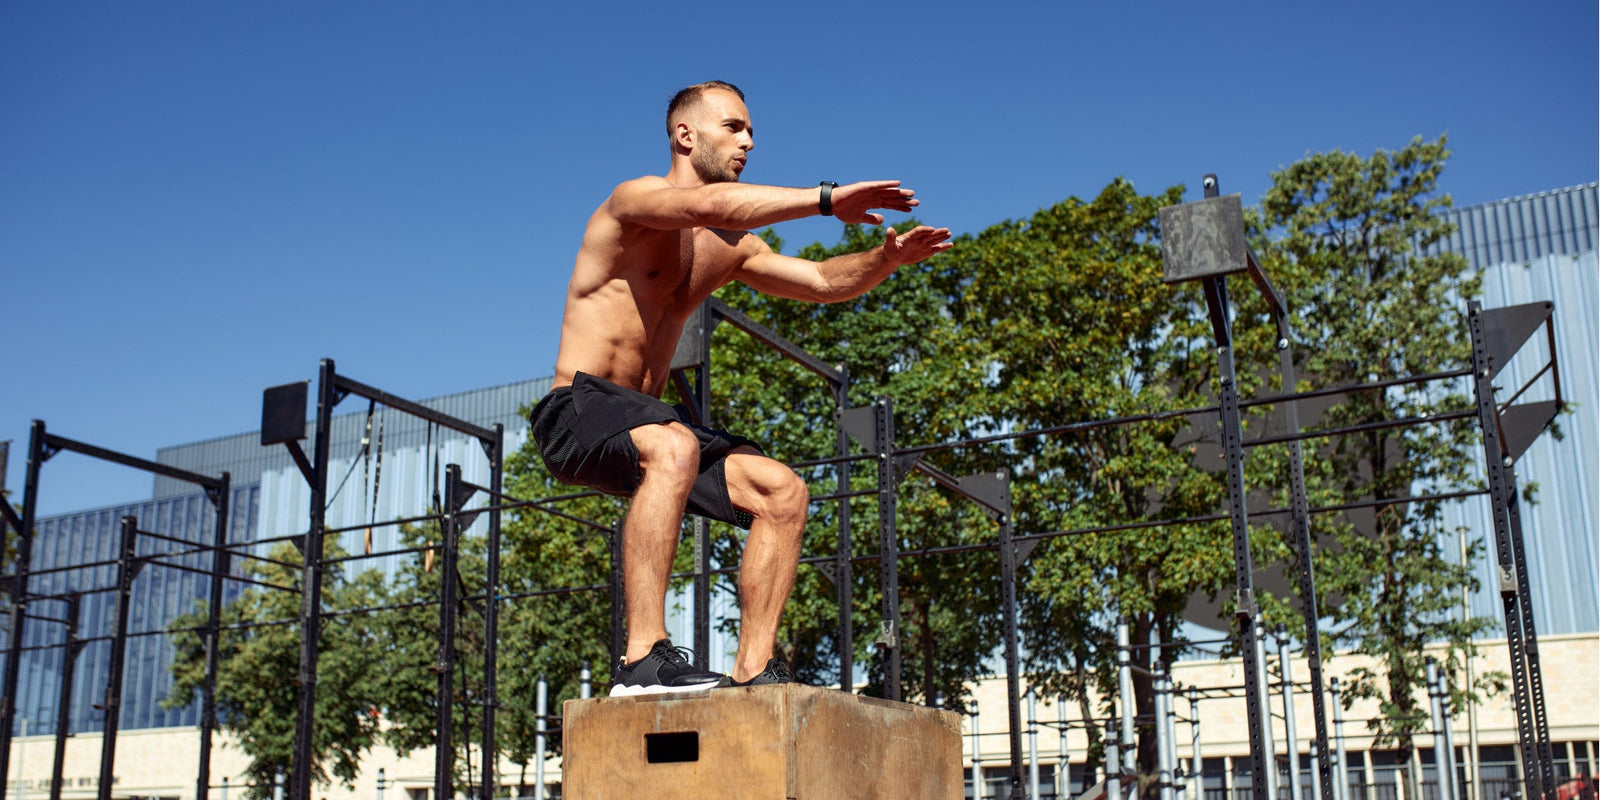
point(709, 124)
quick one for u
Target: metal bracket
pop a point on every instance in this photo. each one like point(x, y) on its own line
point(888, 639)
point(827, 570)
point(1521, 425)
point(861, 424)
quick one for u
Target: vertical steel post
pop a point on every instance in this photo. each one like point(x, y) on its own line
point(208, 690)
point(491, 615)
point(619, 598)
point(1064, 767)
point(702, 527)
point(1262, 695)
point(19, 596)
point(1291, 742)
point(1128, 706)
point(541, 710)
point(585, 683)
point(445, 661)
point(1165, 750)
point(1300, 535)
point(888, 549)
point(1443, 755)
point(1033, 744)
point(1341, 764)
point(127, 568)
point(843, 571)
point(1008, 603)
point(1113, 760)
point(1197, 762)
point(1521, 639)
point(1471, 753)
point(69, 662)
point(311, 589)
point(1215, 288)
point(977, 759)
point(1261, 765)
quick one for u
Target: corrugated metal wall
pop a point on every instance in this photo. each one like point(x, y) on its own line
point(1530, 249)
point(1521, 229)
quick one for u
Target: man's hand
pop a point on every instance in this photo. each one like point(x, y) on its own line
point(853, 203)
point(916, 245)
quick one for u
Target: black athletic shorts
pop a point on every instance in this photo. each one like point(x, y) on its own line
point(582, 434)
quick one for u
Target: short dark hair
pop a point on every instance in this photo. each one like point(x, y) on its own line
point(689, 95)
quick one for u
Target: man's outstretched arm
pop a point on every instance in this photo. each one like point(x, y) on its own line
point(655, 203)
point(841, 277)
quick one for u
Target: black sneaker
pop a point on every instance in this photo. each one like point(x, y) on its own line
point(666, 670)
point(776, 672)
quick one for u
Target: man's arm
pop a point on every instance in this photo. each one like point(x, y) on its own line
point(841, 277)
point(654, 203)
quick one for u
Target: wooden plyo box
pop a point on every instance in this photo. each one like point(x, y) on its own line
point(784, 742)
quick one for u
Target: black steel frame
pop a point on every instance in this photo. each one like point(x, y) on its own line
point(1507, 432)
point(333, 388)
point(42, 446)
point(1497, 336)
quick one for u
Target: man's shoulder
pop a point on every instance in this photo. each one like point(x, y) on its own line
point(642, 183)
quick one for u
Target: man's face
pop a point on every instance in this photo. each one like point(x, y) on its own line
point(723, 136)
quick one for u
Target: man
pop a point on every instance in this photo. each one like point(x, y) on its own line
point(652, 252)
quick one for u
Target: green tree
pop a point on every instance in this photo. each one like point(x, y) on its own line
point(258, 661)
point(555, 572)
point(1349, 237)
point(1063, 318)
point(883, 339)
point(408, 632)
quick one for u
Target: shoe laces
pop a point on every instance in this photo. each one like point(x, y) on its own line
point(780, 670)
point(677, 656)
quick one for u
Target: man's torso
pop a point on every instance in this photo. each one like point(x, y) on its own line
point(631, 291)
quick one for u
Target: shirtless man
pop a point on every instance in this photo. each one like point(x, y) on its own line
point(652, 252)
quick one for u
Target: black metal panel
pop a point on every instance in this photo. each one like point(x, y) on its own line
point(1506, 329)
point(283, 413)
point(1203, 239)
point(694, 340)
point(1522, 424)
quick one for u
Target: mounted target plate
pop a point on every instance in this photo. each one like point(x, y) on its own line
point(1203, 239)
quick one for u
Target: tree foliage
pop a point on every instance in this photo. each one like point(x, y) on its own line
point(1350, 237)
point(257, 689)
point(1060, 319)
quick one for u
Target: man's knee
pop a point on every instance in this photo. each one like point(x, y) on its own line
point(777, 492)
point(671, 448)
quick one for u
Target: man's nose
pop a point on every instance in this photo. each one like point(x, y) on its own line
point(747, 142)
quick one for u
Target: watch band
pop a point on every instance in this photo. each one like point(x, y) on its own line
point(825, 204)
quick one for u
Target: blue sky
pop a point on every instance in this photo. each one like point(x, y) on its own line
point(199, 200)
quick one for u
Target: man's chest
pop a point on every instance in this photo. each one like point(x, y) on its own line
point(706, 259)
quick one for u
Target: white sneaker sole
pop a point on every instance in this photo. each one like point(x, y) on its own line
point(622, 690)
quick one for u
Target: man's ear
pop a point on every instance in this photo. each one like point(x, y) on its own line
point(683, 136)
